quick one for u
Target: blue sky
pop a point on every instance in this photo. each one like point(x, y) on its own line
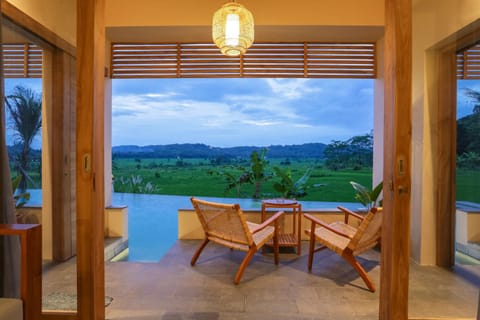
point(234, 112)
point(465, 105)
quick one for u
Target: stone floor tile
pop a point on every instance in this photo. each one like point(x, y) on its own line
point(171, 289)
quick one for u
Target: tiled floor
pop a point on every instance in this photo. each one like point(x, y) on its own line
point(173, 290)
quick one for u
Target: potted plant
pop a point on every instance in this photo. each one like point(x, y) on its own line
point(369, 198)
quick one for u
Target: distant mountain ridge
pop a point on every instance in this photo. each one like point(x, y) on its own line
point(199, 150)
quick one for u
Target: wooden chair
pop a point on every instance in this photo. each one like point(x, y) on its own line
point(225, 224)
point(345, 239)
point(30, 266)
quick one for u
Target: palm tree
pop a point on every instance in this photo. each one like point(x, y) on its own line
point(25, 110)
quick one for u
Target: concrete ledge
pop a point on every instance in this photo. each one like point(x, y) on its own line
point(116, 222)
point(189, 228)
point(470, 249)
point(114, 246)
point(467, 230)
point(11, 309)
point(467, 226)
point(468, 206)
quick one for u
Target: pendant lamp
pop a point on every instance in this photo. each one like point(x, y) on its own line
point(232, 29)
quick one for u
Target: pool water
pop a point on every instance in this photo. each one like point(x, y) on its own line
point(153, 224)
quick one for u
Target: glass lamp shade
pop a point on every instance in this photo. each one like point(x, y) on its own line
point(232, 29)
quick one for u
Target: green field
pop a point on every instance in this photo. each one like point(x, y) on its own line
point(192, 178)
point(468, 185)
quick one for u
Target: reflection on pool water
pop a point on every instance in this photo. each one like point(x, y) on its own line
point(152, 219)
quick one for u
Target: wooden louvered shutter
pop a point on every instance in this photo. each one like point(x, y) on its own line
point(468, 63)
point(23, 60)
point(272, 60)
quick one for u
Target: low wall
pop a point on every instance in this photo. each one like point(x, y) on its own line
point(116, 222)
point(30, 214)
point(467, 226)
point(467, 230)
point(189, 227)
point(116, 219)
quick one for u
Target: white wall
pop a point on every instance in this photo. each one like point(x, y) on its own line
point(59, 16)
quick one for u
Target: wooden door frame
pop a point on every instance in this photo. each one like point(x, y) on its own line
point(61, 58)
point(442, 99)
point(61, 66)
point(90, 159)
point(394, 287)
point(395, 253)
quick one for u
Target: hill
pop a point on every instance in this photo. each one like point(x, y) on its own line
point(198, 150)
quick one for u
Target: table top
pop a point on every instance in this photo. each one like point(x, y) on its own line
point(280, 201)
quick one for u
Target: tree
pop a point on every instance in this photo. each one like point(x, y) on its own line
point(25, 110)
point(475, 95)
point(355, 152)
point(361, 150)
point(468, 127)
point(255, 175)
point(258, 173)
point(287, 187)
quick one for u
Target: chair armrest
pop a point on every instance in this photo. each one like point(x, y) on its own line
point(348, 213)
point(268, 222)
point(324, 225)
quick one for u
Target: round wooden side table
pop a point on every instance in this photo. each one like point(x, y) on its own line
point(290, 238)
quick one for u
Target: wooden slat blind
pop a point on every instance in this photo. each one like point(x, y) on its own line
point(468, 63)
point(272, 60)
point(22, 60)
point(356, 60)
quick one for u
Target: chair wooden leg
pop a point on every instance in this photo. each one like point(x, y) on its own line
point(275, 244)
point(199, 250)
point(363, 274)
point(244, 264)
point(311, 247)
point(310, 253)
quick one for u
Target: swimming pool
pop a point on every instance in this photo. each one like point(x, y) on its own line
point(153, 224)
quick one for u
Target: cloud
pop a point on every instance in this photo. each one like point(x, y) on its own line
point(232, 112)
point(260, 123)
point(124, 113)
point(290, 88)
point(160, 96)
